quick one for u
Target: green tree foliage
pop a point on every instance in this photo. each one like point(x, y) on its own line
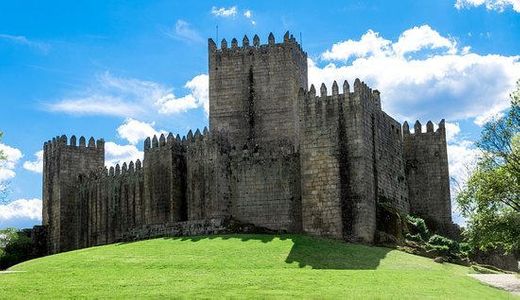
point(15, 247)
point(490, 200)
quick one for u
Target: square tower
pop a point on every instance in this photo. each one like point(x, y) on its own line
point(253, 89)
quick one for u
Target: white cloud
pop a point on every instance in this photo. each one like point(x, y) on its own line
point(442, 82)
point(184, 31)
point(118, 154)
point(132, 98)
point(35, 165)
point(20, 211)
point(22, 40)
point(135, 131)
point(7, 166)
point(422, 37)
point(369, 44)
point(224, 12)
point(198, 97)
point(498, 5)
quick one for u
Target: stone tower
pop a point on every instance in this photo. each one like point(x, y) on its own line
point(254, 89)
point(426, 159)
point(63, 166)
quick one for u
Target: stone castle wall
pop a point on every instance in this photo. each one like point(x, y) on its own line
point(276, 156)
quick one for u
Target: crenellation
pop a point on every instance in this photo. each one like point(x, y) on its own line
point(276, 155)
point(270, 39)
point(417, 127)
point(155, 142)
point(429, 127)
point(162, 140)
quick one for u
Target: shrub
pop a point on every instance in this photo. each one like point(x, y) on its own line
point(418, 226)
point(440, 250)
point(444, 245)
point(414, 237)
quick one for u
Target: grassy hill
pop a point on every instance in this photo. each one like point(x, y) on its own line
point(241, 266)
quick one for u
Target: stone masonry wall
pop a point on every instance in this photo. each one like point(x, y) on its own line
point(112, 203)
point(265, 187)
point(207, 176)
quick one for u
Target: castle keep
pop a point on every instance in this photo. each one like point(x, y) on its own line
point(278, 155)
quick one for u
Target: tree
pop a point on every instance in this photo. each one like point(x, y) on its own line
point(490, 200)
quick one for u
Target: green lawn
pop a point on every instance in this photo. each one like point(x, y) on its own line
point(254, 266)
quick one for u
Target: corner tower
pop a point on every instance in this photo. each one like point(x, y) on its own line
point(426, 158)
point(63, 212)
point(253, 89)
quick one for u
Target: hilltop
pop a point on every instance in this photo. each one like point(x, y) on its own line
point(240, 266)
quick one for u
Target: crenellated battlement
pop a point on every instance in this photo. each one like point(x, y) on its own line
point(418, 128)
point(327, 104)
point(162, 142)
point(61, 142)
point(289, 41)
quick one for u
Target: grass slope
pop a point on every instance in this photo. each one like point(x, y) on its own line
point(241, 266)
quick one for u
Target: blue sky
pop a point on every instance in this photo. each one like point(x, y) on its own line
point(124, 70)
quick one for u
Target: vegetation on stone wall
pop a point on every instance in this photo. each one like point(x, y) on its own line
point(490, 200)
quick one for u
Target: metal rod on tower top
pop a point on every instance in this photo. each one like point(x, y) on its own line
point(301, 42)
point(217, 35)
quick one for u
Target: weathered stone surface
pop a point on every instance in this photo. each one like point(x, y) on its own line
point(276, 156)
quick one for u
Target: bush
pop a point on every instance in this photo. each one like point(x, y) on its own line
point(418, 226)
point(443, 244)
point(439, 250)
point(414, 237)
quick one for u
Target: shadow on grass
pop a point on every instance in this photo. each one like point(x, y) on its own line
point(317, 253)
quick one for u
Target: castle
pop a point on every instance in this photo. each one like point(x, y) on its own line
point(277, 155)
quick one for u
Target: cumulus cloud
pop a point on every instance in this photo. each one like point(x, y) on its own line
point(498, 5)
point(22, 40)
point(224, 12)
point(35, 165)
point(7, 166)
point(132, 98)
point(21, 213)
point(184, 31)
point(118, 154)
point(441, 80)
point(135, 131)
